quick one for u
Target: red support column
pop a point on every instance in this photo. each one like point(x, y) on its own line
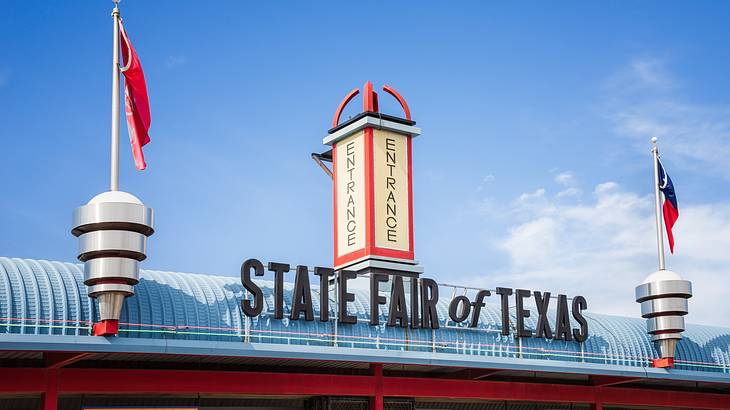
point(50, 395)
point(376, 401)
point(597, 406)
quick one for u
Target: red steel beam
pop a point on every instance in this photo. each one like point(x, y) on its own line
point(213, 382)
point(603, 381)
point(56, 360)
point(123, 381)
point(472, 374)
point(22, 380)
point(494, 390)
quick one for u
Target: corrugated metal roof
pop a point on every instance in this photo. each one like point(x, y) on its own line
point(44, 297)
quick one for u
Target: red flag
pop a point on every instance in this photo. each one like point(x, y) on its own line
point(136, 104)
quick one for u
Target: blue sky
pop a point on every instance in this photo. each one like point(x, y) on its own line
point(533, 169)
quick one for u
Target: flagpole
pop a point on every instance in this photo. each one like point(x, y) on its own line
point(658, 199)
point(114, 175)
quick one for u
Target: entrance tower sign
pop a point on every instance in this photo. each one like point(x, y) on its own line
point(373, 186)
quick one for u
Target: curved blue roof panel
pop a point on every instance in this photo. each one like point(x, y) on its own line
point(44, 297)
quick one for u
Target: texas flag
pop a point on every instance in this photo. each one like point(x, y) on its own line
point(671, 211)
point(136, 104)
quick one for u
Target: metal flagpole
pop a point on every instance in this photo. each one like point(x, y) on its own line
point(657, 196)
point(114, 182)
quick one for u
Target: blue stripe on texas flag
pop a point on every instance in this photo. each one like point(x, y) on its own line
point(671, 211)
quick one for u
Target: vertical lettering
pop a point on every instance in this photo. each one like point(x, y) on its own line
point(391, 191)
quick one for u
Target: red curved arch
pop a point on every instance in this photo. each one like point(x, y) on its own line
point(388, 89)
point(342, 105)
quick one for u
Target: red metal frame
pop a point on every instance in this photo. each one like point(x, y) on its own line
point(56, 360)
point(369, 98)
point(109, 327)
point(604, 381)
point(370, 101)
point(402, 101)
point(54, 382)
point(334, 199)
point(369, 188)
point(341, 107)
point(663, 362)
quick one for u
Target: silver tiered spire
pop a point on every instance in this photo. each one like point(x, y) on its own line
point(663, 294)
point(112, 230)
point(663, 297)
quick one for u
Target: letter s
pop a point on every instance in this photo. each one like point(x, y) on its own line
point(580, 304)
point(252, 309)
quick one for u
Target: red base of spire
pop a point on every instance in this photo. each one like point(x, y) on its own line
point(663, 362)
point(109, 327)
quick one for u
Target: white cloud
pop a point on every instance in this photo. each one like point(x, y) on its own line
point(570, 192)
point(565, 178)
point(604, 248)
point(174, 61)
point(651, 72)
point(643, 101)
point(485, 181)
point(532, 196)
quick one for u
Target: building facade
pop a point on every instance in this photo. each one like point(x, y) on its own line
point(184, 342)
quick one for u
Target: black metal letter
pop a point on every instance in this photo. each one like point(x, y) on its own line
point(415, 320)
point(345, 296)
point(454, 307)
point(249, 309)
point(429, 299)
point(398, 309)
point(522, 313)
point(324, 292)
point(579, 304)
point(478, 305)
point(302, 298)
point(505, 293)
point(375, 299)
point(543, 325)
point(279, 269)
point(562, 320)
